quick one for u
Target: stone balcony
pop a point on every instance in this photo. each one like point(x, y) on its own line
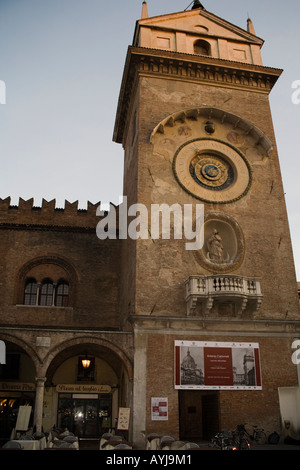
point(239, 292)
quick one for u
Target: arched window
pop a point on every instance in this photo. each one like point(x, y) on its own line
point(46, 282)
point(46, 293)
point(30, 292)
point(202, 47)
point(62, 294)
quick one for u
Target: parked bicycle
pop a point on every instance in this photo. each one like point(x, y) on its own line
point(258, 434)
point(224, 440)
point(241, 439)
point(243, 444)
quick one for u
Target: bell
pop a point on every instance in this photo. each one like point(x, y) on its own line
point(209, 127)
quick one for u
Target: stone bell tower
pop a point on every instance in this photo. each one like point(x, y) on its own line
point(195, 123)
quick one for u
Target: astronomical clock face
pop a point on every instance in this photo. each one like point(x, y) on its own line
point(212, 170)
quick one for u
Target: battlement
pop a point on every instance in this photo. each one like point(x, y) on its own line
point(48, 214)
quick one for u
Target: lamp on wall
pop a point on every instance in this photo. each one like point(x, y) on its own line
point(85, 362)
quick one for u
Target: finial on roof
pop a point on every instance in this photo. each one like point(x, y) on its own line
point(145, 13)
point(197, 4)
point(250, 27)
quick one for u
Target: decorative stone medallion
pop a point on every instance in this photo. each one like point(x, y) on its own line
point(212, 170)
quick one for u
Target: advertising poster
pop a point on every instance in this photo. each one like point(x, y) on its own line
point(159, 409)
point(217, 366)
point(123, 419)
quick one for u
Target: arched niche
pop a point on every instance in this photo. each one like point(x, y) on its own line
point(223, 248)
point(218, 116)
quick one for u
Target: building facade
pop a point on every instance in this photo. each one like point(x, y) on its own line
point(59, 307)
point(190, 340)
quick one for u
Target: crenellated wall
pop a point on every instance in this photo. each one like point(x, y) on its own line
point(49, 213)
point(58, 243)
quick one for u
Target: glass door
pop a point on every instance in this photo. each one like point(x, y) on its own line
point(104, 414)
point(85, 417)
point(85, 413)
point(91, 421)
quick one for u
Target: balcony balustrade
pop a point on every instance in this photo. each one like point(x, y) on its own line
point(244, 292)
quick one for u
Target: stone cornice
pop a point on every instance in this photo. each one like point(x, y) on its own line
point(188, 67)
point(215, 326)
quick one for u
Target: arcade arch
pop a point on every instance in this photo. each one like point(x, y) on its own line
point(86, 401)
point(59, 386)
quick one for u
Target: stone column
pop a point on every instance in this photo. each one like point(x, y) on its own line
point(139, 390)
point(39, 402)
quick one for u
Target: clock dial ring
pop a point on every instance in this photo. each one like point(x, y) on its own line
point(212, 170)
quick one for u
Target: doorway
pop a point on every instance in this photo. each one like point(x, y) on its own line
point(198, 414)
point(87, 417)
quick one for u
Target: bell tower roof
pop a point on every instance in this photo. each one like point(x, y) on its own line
point(179, 32)
point(192, 46)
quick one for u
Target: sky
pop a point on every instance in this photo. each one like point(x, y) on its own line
point(62, 63)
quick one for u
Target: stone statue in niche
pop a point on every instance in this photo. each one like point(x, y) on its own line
point(215, 248)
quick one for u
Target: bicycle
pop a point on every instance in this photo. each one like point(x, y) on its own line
point(258, 435)
point(224, 440)
point(243, 444)
point(241, 440)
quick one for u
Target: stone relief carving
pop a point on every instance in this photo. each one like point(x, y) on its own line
point(223, 248)
point(215, 249)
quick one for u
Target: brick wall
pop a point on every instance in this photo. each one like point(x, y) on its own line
point(50, 243)
point(236, 407)
point(261, 213)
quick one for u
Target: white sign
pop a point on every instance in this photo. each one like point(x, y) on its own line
point(2, 353)
point(159, 409)
point(23, 418)
point(123, 419)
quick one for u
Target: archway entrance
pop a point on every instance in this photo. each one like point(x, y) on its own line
point(198, 414)
point(85, 399)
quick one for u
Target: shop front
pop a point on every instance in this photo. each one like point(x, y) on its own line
point(12, 396)
point(85, 410)
point(80, 385)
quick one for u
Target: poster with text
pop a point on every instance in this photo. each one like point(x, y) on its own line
point(123, 419)
point(209, 365)
point(159, 409)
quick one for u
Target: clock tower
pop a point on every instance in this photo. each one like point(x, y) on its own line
point(195, 123)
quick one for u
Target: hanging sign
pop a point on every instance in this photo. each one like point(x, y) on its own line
point(17, 387)
point(203, 365)
point(82, 388)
